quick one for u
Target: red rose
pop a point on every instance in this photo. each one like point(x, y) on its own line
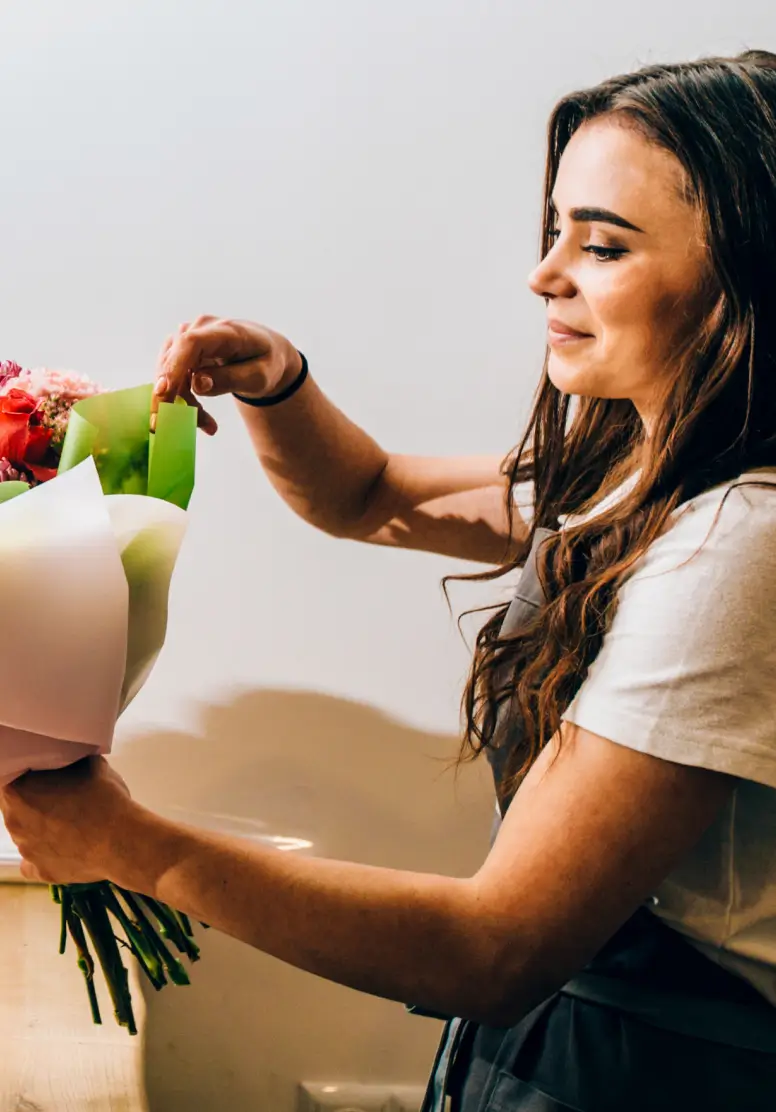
point(16, 408)
point(18, 401)
point(22, 440)
point(37, 444)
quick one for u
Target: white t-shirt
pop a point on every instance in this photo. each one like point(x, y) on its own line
point(687, 672)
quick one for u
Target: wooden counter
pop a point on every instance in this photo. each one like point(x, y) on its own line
point(52, 1057)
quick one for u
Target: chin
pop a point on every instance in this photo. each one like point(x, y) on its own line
point(570, 377)
point(578, 379)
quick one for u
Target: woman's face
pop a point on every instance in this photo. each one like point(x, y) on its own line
point(623, 278)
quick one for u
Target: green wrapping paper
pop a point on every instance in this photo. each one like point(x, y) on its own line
point(114, 429)
point(10, 490)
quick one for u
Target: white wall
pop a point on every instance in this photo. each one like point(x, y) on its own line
point(365, 177)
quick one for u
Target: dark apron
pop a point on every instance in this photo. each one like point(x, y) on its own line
point(650, 1025)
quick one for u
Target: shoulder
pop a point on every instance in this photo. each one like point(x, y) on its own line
point(749, 500)
point(686, 667)
point(727, 532)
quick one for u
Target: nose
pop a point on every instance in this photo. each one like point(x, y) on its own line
point(549, 280)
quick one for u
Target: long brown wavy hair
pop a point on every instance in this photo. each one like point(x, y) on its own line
point(718, 419)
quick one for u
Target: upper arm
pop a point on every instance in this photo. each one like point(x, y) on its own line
point(593, 829)
point(686, 668)
point(455, 506)
point(677, 706)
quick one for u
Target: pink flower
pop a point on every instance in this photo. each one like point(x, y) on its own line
point(45, 383)
point(11, 474)
point(34, 414)
point(8, 371)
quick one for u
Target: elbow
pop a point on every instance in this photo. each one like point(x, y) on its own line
point(336, 523)
point(484, 965)
point(367, 511)
point(358, 519)
point(511, 979)
point(502, 1001)
point(341, 529)
point(350, 528)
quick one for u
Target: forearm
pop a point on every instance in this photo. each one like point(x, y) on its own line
point(404, 936)
point(336, 477)
point(321, 464)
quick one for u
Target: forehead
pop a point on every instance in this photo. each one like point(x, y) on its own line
point(610, 165)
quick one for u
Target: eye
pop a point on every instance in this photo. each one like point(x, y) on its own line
point(605, 254)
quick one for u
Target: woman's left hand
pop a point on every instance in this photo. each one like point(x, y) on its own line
point(67, 824)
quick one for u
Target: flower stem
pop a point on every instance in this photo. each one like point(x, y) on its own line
point(141, 946)
point(85, 961)
point(172, 928)
point(92, 912)
point(65, 904)
point(174, 968)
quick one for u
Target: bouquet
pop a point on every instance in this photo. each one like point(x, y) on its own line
point(92, 515)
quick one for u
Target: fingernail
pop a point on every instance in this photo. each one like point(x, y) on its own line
point(161, 385)
point(203, 384)
point(153, 422)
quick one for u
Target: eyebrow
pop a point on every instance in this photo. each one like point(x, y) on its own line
point(599, 216)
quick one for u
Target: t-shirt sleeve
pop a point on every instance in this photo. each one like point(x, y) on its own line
point(523, 499)
point(687, 669)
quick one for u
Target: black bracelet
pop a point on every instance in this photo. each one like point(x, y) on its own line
point(276, 399)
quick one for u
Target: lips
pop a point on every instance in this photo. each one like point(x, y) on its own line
point(561, 329)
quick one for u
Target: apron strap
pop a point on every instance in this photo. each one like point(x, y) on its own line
point(720, 1021)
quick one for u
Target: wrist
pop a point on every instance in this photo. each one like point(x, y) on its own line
point(292, 379)
point(143, 849)
point(294, 365)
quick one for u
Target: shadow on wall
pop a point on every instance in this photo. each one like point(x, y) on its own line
point(300, 768)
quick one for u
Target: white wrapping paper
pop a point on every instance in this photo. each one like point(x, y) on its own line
point(84, 580)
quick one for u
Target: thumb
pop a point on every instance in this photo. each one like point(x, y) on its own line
point(29, 871)
point(252, 377)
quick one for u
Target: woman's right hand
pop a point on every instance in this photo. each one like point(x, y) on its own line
point(328, 470)
point(214, 356)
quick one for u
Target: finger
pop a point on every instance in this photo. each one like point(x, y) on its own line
point(209, 359)
point(29, 871)
point(162, 384)
point(205, 420)
point(212, 381)
point(183, 357)
point(169, 386)
point(162, 356)
point(203, 382)
point(161, 379)
point(200, 322)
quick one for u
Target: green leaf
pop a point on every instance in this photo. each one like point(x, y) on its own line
point(10, 490)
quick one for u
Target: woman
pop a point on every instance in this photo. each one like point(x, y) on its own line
point(617, 949)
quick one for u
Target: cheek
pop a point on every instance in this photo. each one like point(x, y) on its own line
point(637, 313)
point(621, 302)
point(674, 311)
